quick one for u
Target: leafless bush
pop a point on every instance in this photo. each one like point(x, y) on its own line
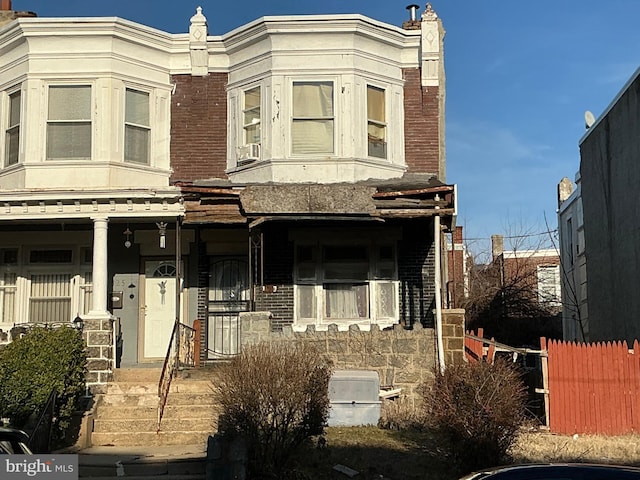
point(478, 408)
point(401, 414)
point(274, 396)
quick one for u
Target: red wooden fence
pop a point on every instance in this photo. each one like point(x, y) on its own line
point(593, 388)
point(476, 350)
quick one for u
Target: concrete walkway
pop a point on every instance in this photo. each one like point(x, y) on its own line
point(176, 461)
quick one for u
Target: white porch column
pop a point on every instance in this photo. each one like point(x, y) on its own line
point(100, 229)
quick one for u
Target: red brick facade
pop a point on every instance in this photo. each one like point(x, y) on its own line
point(421, 125)
point(199, 127)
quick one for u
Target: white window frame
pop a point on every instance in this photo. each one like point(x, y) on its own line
point(374, 281)
point(383, 125)
point(9, 126)
point(91, 120)
point(333, 118)
point(128, 125)
point(549, 293)
point(247, 111)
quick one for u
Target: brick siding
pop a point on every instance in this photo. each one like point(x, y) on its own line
point(199, 127)
point(421, 125)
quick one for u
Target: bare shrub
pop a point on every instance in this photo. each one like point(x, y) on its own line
point(478, 408)
point(401, 414)
point(274, 396)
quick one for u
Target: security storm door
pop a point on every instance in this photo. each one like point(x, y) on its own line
point(228, 296)
point(159, 310)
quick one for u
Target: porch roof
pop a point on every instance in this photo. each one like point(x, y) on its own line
point(411, 196)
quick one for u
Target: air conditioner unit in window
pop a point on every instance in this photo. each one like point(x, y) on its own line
point(248, 153)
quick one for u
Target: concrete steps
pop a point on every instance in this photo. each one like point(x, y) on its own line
point(126, 415)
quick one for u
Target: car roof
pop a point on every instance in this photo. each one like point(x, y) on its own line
point(488, 473)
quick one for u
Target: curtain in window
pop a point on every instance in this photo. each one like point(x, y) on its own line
point(312, 128)
point(346, 300)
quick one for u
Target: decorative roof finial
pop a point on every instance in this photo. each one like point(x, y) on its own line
point(429, 13)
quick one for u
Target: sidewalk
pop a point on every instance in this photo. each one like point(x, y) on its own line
point(184, 461)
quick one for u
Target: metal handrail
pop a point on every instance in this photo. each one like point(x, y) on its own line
point(40, 435)
point(180, 354)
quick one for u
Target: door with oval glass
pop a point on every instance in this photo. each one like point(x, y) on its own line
point(228, 296)
point(158, 309)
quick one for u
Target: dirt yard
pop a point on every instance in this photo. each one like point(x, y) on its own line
point(393, 455)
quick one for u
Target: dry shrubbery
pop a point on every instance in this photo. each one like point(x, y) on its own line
point(274, 396)
point(478, 409)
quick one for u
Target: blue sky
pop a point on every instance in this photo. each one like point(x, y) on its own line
point(520, 75)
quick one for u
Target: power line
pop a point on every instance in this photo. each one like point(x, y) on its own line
point(548, 232)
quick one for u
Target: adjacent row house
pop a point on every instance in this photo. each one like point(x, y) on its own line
point(598, 225)
point(295, 166)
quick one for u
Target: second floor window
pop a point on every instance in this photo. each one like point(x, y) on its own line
point(137, 131)
point(313, 118)
point(69, 122)
point(376, 123)
point(12, 145)
point(251, 116)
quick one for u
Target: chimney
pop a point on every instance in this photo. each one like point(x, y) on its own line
point(457, 236)
point(5, 5)
point(497, 246)
point(412, 23)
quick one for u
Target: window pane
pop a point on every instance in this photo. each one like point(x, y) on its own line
point(50, 256)
point(70, 102)
point(137, 107)
point(312, 128)
point(375, 104)
point(136, 144)
point(13, 145)
point(312, 99)
point(8, 297)
point(345, 253)
point(13, 132)
point(252, 98)
point(50, 299)
point(312, 136)
point(69, 140)
point(252, 133)
point(14, 109)
point(386, 300)
point(343, 300)
point(306, 301)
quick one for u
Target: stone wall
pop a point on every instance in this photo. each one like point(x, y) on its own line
point(98, 337)
point(403, 358)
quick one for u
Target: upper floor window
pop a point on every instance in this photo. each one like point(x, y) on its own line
point(12, 140)
point(69, 122)
point(313, 119)
point(251, 116)
point(376, 123)
point(137, 129)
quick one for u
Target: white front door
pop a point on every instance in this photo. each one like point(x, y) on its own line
point(159, 313)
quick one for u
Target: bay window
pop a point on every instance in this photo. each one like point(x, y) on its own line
point(12, 134)
point(312, 129)
point(69, 122)
point(137, 130)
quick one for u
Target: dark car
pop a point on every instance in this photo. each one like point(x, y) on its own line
point(13, 441)
point(557, 471)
